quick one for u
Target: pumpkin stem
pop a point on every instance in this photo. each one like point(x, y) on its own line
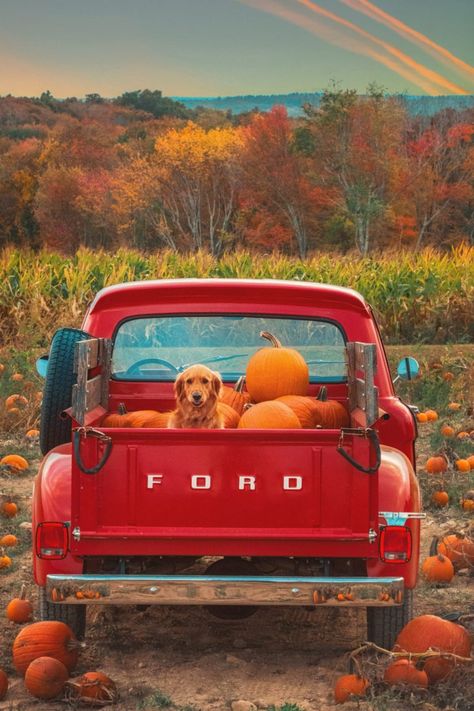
point(22, 594)
point(122, 410)
point(323, 394)
point(434, 545)
point(72, 644)
point(270, 337)
point(239, 385)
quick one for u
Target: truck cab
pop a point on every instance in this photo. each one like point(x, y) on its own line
point(229, 518)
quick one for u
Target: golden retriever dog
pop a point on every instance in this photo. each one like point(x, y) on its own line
point(197, 390)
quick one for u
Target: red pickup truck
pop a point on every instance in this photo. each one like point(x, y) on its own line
point(226, 518)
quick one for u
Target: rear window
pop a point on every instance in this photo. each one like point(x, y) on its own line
point(159, 347)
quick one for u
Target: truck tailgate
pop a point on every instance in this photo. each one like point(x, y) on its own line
point(224, 492)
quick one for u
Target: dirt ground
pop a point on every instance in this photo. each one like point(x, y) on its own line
point(281, 659)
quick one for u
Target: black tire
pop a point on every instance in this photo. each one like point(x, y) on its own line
point(384, 623)
point(57, 391)
point(73, 615)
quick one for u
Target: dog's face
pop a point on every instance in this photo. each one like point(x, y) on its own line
point(198, 387)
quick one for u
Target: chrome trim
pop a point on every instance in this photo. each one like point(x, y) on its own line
point(224, 590)
point(398, 518)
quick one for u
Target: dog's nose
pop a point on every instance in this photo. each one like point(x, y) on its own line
point(197, 397)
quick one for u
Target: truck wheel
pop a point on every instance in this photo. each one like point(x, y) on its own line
point(384, 623)
point(72, 615)
point(57, 391)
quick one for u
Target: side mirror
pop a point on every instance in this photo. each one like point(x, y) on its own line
point(408, 369)
point(42, 366)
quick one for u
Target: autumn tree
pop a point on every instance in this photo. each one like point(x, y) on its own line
point(357, 145)
point(274, 181)
point(198, 174)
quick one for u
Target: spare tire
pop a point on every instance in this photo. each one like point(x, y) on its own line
point(57, 391)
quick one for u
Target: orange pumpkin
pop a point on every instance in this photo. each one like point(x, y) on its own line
point(467, 504)
point(235, 397)
point(458, 548)
point(448, 376)
point(422, 417)
point(305, 408)
point(116, 419)
point(454, 406)
point(431, 632)
point(404, 671)
point(272, 372)
point(93, 687)
point(45, 677)
point(269, 415)
point(437, 569)
point(432, 415)
point(471, 460)
point(19, 609)
point(141, 418)
point(435, 465)
point(14, 462)
point(462, 465)
point(463, 435)
point(45, 639)
point(440, 498)
point(3, 683)
point(5, 560)
point(330, 414)
point(8, 540)
point(447, 431)
point(349, 685)
point(159, 420)
point(9, 509)
point(32, 434)
point(229, 415)
point(18, 401)
point(16, 377)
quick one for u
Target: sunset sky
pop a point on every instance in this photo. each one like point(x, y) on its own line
point(229, 47)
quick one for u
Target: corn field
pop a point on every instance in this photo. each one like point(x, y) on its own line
point(423, 297)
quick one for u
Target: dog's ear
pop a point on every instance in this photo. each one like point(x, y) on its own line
point(179, 386)
point(216, 383)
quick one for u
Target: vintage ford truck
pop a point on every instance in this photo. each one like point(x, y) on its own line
point(225, 518)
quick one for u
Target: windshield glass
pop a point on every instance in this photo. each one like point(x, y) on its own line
point(159, 347)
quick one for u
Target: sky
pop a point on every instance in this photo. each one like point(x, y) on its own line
point(233, 47)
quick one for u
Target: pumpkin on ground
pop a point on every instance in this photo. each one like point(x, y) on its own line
point(3, 684)
point(458, 548)
point(9, 540)
point(269, 415)
point(447, 431)
point(436, 465)
point(5, 560)
point(349, 685)
point(432, 632)
point(440, 498)
point(45, 677)
point(9, 509)
point(235, 397)
point(32, 435)
point(272, 372)
point(45, 639)
point(437, 569)
point(93, 687)
point(462, 465)
point(404, 671)
point(432, 415)
point(14, 462)
point(16, 401)
point(19, 609)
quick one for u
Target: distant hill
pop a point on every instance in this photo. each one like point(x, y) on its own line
point(425, 105)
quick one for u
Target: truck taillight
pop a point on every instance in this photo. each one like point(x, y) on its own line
point(395, 544)
point(51, 540)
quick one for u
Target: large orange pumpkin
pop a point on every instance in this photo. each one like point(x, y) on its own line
point(235, 397)
point(436, 465)
point(272, 372)
point(269, 415)
point(141, 418)
point(45, 639)
point(432, 632)
point(159, 420)
point(404, 671)
point(229, 415)
point(116, 419)
point(45, 677)
point(330, 414)
point(305, 408)
point(14, 462)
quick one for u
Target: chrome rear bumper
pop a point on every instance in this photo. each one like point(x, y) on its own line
point(223, 590)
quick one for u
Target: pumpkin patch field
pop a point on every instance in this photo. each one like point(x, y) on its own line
point(279, 659)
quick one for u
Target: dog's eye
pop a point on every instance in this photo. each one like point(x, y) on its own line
point(189, 381)
point(204, 381)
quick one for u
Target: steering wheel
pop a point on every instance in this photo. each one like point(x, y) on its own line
point(135, 367)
